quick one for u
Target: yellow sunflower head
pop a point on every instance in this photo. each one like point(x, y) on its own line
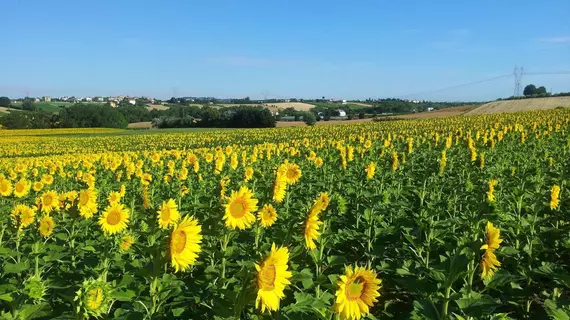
point(555, 197)
point(272, 278)
point(489, 264)
point(185, 241)
point(126, 242)
point(114, 219)
point(49, 201)
point(357, 292)
point(248, 174)
point(312, 225)
point(267, 215)
point(493, 238)
point(370, 170)
point(5, 187)
point(168, 214)
point(87, 202)
point(239, 208)
point(27, 216)
point(46, 226)
point(292, 172)
point(38, 186)
point(279, 187)
point(94, 298)
point(21, 188)
point(114, 197)
point(47, 179)
point(319, 162)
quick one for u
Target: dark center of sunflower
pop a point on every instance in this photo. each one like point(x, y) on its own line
point(291, 173)
point(19, 187)
point(178, 241)
point(355, 288)
point(267, 277)
point(84, 198)
point(165, 214)
point(48, 200)
point(237, 209)
point(267, 214)
point(114, 217)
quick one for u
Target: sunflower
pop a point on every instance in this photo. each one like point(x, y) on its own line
point(126, 242)
point(367, 144)
point(279, 187)
point(21, 188)
point(312, 229)
point(87, 202)
point(239, 208)
point(46, 226)
point(370, 169)
point(27, 216)
point(292, 172)
point(37, 186)
point(267, 215)
point(491, 193)
point(122, 191)
point(114, 219)
point(114, 197)
point(168, 214)
point(49, 201)
point(357, 292)
point(248, 174)
point(47, 179)
point(489, 264)
point(493, 238)
point(318, 162)
point(5, 187)
point(185, 242)
point(555, 197)
point(272, 278)
point(94, 297)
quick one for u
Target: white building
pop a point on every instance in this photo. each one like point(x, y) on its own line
point(133, 101)
point(341, 113)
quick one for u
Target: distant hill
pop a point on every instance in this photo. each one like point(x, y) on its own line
point(521, 105)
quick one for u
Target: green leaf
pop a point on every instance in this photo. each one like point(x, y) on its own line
point(554, 312)
point(126, 295)
point(337, 260)
point(6, 297)
point(15, 267)
point(424, 309)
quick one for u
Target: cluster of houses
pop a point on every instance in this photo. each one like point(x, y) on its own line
point(113, 100)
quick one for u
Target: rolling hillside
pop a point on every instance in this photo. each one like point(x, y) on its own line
point(521, 105)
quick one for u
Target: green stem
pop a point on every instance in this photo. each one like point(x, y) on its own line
point(446, 303)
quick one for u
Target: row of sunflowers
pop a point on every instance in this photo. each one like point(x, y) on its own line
point(462, 217)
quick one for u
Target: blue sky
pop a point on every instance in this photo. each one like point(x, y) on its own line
point(340, 49)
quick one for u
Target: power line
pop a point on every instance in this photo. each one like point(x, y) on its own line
point(460, 86)
point(547, 73)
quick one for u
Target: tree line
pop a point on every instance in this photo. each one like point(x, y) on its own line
point(103, 115)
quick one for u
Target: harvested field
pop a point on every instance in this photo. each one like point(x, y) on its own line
point(300, 106)
point(521, 105)
point(151, 107)
point(146, 124)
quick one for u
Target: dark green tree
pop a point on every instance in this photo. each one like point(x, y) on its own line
point(29, 105)
point(541, 90)
point(309, 118)
point(529, 90)
point(5, 102)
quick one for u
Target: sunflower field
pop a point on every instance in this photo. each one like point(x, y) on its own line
point(450, 218)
